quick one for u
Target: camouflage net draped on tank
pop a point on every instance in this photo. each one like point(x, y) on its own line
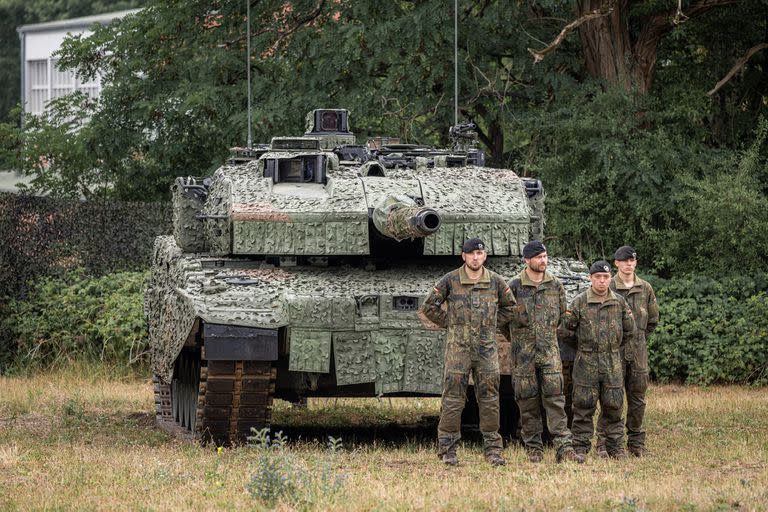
point(346, 314)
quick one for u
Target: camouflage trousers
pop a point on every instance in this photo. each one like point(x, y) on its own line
point(543, 387)
point(588, 388)
point(568, 390)
point(635, 385)
point(482, 363)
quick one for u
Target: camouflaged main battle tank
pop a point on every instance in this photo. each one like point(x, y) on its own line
point(297, 270)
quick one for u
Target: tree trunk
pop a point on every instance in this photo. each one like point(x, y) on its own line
point(609, 51)
point(607, 48)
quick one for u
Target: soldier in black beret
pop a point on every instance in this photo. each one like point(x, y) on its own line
point(475, 298)
point(598, 324)
point(535, 357)
point(641, 299)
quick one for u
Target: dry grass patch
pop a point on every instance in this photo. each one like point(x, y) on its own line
point(72, 441)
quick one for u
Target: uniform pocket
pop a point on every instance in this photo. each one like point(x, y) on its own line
point(638, 381)
point(584, 397)
point(526, 387)
point(457, 312)
point(552, 384)
point(612, 398)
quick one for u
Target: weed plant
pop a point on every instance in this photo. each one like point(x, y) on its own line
point(280, 476)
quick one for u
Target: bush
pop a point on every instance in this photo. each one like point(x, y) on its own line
point(76, 317)
point(712, 331)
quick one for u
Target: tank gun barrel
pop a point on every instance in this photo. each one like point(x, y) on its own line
point(401, 221)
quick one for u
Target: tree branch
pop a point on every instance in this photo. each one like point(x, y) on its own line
point(736, 67)
point(298, 22)
point(538, 55)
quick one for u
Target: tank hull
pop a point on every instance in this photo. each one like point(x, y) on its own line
point(228, 335)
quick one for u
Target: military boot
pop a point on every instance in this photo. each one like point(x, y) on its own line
point(601, 451)
point(619, 454)
point(569, 455)
point(446, 448)
point(638, 451)
point(535, 456)
point(449, 458)
point(580, 450)
point(494, 458)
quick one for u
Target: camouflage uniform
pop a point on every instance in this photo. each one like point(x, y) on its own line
point(598, 328)
point(642, 301)
point(471, 320)
point(536, 366)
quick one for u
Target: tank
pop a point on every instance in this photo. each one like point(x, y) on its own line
point(297, 270)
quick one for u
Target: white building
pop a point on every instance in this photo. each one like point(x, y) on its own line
point(40, 80)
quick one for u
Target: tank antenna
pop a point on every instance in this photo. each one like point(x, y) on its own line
point(248, 67)
point(455, 62)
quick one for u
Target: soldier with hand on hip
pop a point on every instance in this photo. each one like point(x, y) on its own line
point(641, 299)
point(536, 366)
point(475, 297)
point(599, 323)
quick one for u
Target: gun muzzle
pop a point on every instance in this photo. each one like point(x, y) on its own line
point(400, 222)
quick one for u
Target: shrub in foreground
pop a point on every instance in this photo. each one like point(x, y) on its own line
point(281, 476)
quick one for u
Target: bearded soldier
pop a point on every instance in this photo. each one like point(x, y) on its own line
point(475, 297)
point(536, 366)
point(598, 323)
point(641, 299)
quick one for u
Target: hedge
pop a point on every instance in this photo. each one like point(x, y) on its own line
point(712, 331)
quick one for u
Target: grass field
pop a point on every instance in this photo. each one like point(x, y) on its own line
point(74, 440)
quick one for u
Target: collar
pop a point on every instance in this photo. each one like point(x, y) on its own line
point(619, 284)
point(464, 278)
point(526, 281)
point(594, 299)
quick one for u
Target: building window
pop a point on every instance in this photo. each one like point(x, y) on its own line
point(37, 78)
point(45, 82)
point(62, 82)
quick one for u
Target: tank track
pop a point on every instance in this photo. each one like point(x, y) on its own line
point(215, 401)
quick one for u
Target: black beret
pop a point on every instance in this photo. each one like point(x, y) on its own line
point(624, 252)
point(473, 244)
point(600, 266)
point(533, 248)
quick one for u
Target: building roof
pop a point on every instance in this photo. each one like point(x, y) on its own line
point(75, 23)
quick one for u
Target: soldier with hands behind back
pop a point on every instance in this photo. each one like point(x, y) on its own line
point(475, 297)
point(642, 300)
point(598, 323)
point(536, 366)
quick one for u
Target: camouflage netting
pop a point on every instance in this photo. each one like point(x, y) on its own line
point(40, 236)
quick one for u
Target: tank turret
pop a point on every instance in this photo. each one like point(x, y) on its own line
point(297, 269)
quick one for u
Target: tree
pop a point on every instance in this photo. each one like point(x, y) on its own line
point(620, 38)
point(174, 100)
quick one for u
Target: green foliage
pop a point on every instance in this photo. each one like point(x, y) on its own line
point(280, 476)
point(56, 150)
point(723, 215)
point(712, 331)
point(76, 317)
point(618, 166)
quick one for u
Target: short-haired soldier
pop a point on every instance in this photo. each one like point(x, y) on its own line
point(641, 299)
point(475, 297)
point(598, 323)
point(535, 356)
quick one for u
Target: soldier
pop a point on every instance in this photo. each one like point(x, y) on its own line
point(641, 299)
point(475, 296)
point(536, 366)
point(598, 323)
